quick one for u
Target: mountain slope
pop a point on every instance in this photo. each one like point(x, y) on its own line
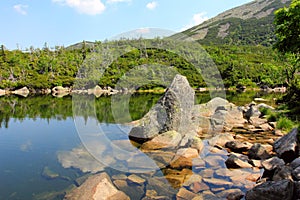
point(249, 24)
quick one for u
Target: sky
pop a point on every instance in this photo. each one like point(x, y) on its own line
point(26, 23)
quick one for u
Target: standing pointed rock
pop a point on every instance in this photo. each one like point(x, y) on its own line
point(171, 113)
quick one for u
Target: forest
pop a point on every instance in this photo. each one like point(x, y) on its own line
point(36, 68)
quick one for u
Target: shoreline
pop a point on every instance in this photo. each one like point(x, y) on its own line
point(97, 91)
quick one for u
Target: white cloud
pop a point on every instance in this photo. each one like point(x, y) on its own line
point(197, 19)
point(21, 9)
point(117, 1)
point(90, 7)
point(152, 5)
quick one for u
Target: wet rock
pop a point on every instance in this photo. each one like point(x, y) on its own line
point(168, 139)
point(258, 151)
point(184, 194)
point(177, 178)
point(49, 174)
point(134, 191)
point(237, 146)
point(218, 182)
point(22, 92)
point(184, 158)
point(172, 112)
point(208, 195)
point(161, 186)
point(97, 187)
point(207, 172)
point(196, 187)
point(272, 163)
point(234, 161)
point(275, 190)
point(287, 147)
point(220, 139)
point(214, 161)
point(161, 157)
point(119, 177)
point(194, 178)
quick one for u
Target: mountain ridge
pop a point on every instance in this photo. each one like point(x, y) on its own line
point(248, 24)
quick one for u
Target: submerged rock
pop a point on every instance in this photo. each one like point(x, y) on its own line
point(49, 174)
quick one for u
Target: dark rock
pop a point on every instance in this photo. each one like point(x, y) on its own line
point(297, 190)
point(287, 147)
point(295, 163)
point(172, 112)
point(257, 151)
point(234, 161)
point(282, 172)
point(235, 196)
point(275, 190)
point(296, 173)
point(272, 163)
point(231, 194)
point(237, 146)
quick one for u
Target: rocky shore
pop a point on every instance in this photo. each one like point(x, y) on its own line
point(97, 91)
point(207, 151)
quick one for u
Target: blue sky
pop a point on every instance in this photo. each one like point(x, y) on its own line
point(28, 23)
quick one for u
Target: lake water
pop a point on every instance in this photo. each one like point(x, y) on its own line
point(35, 130)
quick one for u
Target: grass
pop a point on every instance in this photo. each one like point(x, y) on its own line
point(285, 123)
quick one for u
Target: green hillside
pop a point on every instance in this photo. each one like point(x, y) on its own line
point(249, 24)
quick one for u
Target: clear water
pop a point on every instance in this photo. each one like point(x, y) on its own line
point(34, 129)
